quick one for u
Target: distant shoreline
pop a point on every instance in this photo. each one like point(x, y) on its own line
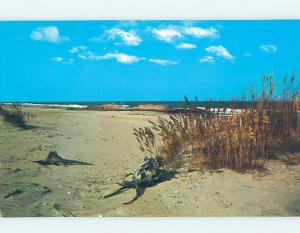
point(163, 106)
point(148, 107)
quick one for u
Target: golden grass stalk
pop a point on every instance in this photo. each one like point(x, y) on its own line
point(239, 140)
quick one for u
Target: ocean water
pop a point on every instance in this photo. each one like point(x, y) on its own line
point(130, 104)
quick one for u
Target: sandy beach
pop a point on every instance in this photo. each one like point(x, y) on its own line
point(105, 139)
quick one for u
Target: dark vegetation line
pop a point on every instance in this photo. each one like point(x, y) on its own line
point(13, 114)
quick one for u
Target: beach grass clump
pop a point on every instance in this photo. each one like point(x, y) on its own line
point(233, 137)
point(14, 115)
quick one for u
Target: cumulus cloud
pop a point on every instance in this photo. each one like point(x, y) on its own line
point(163, 62)
point(122, 58)
point(49, 34)
point(128, 38)
point(62, 60)
point(57, 59)
point(119, 57)
point(200, 33)
point(269, 48)
point(167, 35)
point(207, 59)
point(220, 51)
point(77, 49)
point(171, 33)
point(186, 46)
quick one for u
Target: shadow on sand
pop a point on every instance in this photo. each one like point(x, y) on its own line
point(54, 159)
point(142, 187)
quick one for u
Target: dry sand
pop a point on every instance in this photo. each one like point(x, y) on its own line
point(106, 140)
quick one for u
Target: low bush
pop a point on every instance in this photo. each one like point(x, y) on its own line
point(13, 114)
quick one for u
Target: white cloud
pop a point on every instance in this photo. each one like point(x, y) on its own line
point(77, 49)
point(186, 46)
point(122, 57)
point(50, 34)
point(220, 51)
point(83, 57)
point(269, 48)
point(119, 57)
point(62, 60)
point(201, 32)
point(57, 59)
point(172, 32)
point(207, 59)
point(167, 35)
point(128, 38)
point(90, 56)
point(163, 62)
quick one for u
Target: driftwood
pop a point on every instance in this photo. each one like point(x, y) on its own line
point(150, 173)
point(54, 159)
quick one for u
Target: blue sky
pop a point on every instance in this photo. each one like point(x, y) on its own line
point(142, 60)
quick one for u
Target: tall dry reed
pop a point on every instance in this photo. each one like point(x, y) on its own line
point(227, 137)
